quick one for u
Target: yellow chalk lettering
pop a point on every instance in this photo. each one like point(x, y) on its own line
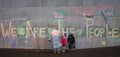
point(42, 32)
point(13, 31)
point(97, 32)
point(90, 32)
point(65, 30)
point(115, 32)
point(29, 29)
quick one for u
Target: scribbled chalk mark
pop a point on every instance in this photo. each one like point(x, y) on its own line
point(104, 43)
point(50, 30)
point(58, 15)
point(14, 43)
point(110, 32)
point(109, 14)
point(77, 10)
point(15, 19)
point(20, 31)
point(80, 31)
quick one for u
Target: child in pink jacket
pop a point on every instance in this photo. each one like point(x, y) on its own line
point(63, 41)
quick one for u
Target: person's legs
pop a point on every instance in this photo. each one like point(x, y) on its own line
point(73, 47)
point(54, 50)
point(58, 50)
point(70, 47)
point(63, 48)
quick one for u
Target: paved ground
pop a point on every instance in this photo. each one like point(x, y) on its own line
point(93, 52)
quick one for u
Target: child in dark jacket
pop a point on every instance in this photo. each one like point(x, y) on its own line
point(71, 42)
point(63, 41)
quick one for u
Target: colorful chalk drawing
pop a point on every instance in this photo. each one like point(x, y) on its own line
point(108, 13)
point(89, 27)
point(80, 31)
point(77, 10)
point(21, 31)
point(58, 15)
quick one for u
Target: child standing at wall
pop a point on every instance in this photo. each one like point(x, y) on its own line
point(63, 41)
point(55, 41)
point(71, 42)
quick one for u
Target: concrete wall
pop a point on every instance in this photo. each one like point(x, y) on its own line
point(28, 23)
